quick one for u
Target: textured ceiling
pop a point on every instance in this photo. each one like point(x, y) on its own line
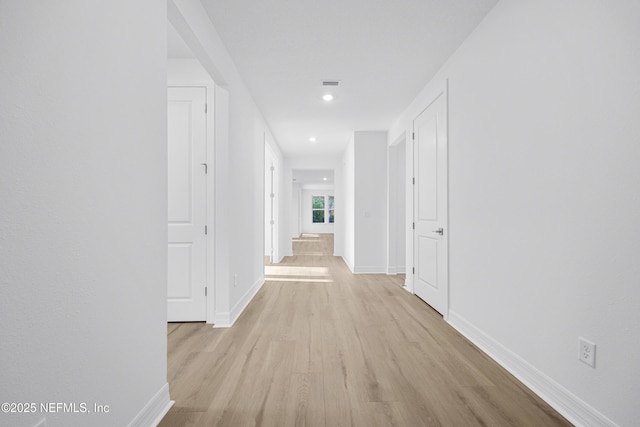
point(382, 51)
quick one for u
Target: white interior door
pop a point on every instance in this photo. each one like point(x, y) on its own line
point(187, 254)
point(430, 206)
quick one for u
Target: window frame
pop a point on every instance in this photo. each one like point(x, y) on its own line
point(322, 209)
point(328, 209)
point(331, 209)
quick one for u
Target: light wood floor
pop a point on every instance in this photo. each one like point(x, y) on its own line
point(319, 346)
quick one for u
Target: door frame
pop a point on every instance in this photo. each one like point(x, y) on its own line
point(208, 85)
point(274, 214)
point(441, 90)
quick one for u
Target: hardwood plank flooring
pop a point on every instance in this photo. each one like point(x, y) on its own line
point(319, 346)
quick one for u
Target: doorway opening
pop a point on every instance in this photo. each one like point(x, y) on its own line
point(190, 94)
point(313, 201)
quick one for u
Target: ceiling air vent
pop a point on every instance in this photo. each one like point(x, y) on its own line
point(330, 82)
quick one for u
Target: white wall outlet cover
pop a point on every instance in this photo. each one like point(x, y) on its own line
point(587, 352)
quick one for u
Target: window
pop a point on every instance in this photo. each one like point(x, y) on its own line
point(317, 209)
point(331, 209)
point(322, 209)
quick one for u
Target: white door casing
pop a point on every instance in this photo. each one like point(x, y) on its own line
point(430, 205)
point(187, 197)
point(268, 246)
point(270, 214)
point(271, 204)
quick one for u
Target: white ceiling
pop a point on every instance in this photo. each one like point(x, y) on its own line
point(308, 176)
point(382, 51)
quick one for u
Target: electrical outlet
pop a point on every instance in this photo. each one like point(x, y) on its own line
point(587, 352)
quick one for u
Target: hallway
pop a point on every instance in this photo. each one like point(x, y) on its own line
point(319, 346)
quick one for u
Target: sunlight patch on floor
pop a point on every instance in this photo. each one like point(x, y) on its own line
point(284, 273)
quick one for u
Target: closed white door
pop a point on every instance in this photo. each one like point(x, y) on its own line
point(187, 136)
point(430, 206)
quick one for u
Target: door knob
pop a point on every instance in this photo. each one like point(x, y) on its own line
point(440, 231)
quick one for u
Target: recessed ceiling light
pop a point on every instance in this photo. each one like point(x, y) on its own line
point(312, 139)
point(324, 179)
point(327, 97)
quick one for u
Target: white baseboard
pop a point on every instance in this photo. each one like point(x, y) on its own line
point(408, 282)
point(367, 269)
point(391, 270)
point(562, 400)
point(228, 318)
point(237, 309)
point(347, 263)
point(222, 320)
point(154, 410)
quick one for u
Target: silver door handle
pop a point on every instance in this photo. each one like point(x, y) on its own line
point(440, 231)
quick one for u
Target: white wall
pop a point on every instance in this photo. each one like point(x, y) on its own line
point(544, 100)
point(400, 203)
point(239, 168)
point(346, 205)
point(186, 70)
point(83, 218)
point(396, 229)
point(307, 224)
point(370, 209)
point(363, 182)
point(295, 211)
